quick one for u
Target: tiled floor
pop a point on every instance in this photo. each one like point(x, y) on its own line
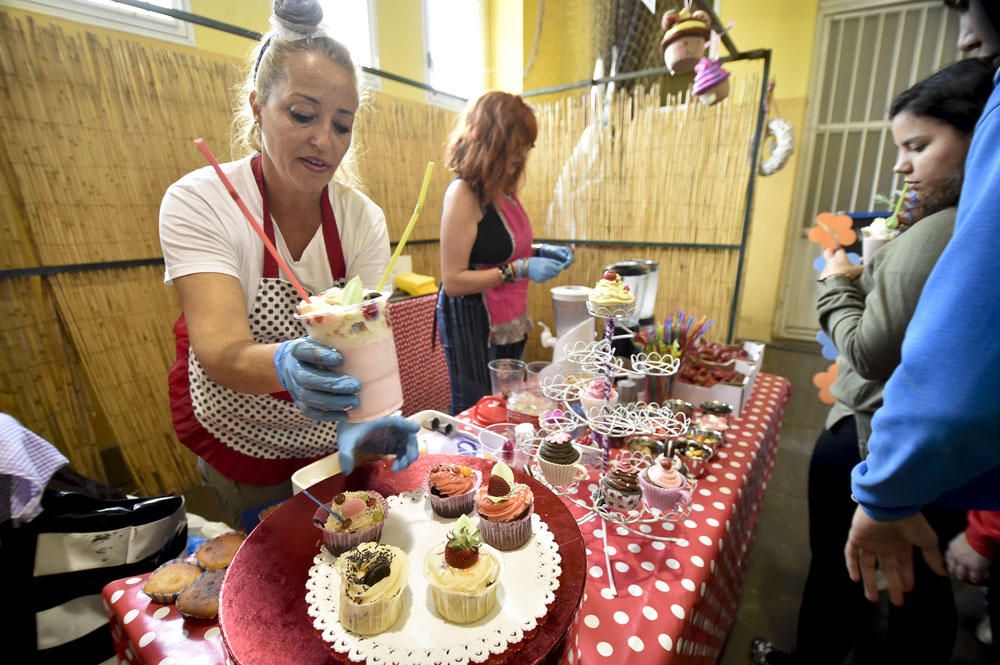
point(780, 555)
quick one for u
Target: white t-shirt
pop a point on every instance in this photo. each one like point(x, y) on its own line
point(202, 230)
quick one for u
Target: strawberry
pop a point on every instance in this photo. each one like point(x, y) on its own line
point(462, 550)
point(371, 501)
point(498, 487)
point(460, 558)
point(610, 275)
point(370, 312)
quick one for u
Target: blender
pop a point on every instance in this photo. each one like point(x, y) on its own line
point(647, 309)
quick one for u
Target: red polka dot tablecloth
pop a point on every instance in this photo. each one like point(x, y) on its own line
point(148, 633)
point(676, 601)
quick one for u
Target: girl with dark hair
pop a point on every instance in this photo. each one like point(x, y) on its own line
point(866, 312)
point(487, 255)
point(250, 394)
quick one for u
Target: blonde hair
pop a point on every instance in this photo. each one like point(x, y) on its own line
point(295, 31)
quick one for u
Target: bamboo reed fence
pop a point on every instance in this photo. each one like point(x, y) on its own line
point(97, 128)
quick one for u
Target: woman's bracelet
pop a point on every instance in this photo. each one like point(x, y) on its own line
point(507, 273)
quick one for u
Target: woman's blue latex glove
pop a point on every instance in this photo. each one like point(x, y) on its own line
point(563, 255)
point(542, 270)
point(393, 435)
point(305, 369)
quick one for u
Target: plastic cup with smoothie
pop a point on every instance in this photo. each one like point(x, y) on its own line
point(876, 234)
point(353, 321)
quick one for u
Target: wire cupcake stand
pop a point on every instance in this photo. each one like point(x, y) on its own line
point(606, 419)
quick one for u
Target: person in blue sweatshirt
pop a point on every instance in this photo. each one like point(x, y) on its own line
point(937, 437)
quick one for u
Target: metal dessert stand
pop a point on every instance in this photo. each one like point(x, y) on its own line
point(596, 359)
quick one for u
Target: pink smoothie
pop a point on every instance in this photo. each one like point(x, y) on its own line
point(363, 336)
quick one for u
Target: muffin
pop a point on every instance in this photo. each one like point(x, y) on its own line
point(557, 458)
point(372, 581)
point(200, 599)
point(218, 553)
point(611, 296)
point(504, 509)
point(664, 487)
point(359, 519)
point(166, 582)
point(620, 487)
point(452, 489)
point(462, 578)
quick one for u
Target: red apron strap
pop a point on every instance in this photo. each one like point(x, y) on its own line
point(331, 237)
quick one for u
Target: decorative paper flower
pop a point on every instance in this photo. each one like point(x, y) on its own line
point(829, 350)
point(820, 262)
point(832, 231)
point(824, 381)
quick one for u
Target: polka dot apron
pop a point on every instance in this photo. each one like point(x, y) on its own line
point(259, 439)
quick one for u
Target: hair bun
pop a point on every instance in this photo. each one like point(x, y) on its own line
point(301, 16)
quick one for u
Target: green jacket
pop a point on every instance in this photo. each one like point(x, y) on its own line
point(867, 318)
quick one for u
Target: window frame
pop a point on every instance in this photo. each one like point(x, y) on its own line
point(120, 18)
point(447, 100)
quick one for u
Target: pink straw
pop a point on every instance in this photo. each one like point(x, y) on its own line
point(205, 150)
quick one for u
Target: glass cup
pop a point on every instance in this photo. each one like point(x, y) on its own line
point(499, 442)
point(362, 335)
point(505, 375)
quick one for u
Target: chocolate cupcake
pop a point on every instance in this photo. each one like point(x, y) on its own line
point(621, 487)
point(557, 458)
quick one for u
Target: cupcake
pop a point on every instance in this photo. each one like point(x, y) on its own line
point(684, 39)
point(611, 296)
point(452, 489)
point(621, 487)
point(592, 398)
point(504, 509)
point(166, 582)
point(372, 580)
point(357, 518)
point(218, 552)
point(663, 486)
point(711, 82)
point(557, 458)
point(463, 579)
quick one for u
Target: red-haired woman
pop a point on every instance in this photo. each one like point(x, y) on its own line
point(486, 244)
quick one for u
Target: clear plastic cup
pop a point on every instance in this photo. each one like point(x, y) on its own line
point(361, 334)
point(506, 374)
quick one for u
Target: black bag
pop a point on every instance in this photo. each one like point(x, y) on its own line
point(59, 562)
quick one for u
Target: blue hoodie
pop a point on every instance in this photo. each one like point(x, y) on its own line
point(937, 438)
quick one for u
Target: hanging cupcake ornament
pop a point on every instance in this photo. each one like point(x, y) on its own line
point(685, 34)
point(711, 81)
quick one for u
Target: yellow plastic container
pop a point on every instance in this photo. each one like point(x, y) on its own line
point(416, 285)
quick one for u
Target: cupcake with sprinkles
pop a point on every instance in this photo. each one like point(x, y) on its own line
point(504, 508)
point(372, 581)
point(353, 518)
point(452, 489)
point(620, 486)
point(463, 574)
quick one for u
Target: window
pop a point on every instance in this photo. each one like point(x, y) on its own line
point(453, 31)
point(352, 23)
point(116, 16)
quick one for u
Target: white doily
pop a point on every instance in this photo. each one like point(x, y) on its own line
point(420, 636)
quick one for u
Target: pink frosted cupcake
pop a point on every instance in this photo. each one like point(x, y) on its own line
point(711, 82)
point(592, 398)
point(359, 519)
point(452, 489)
point(504, 509)
point(663, 486)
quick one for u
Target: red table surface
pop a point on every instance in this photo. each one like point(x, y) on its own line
point(676, 601)
point(262, 610)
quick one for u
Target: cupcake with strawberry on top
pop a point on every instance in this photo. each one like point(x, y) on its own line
point(504, 508)
point(463, 574)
